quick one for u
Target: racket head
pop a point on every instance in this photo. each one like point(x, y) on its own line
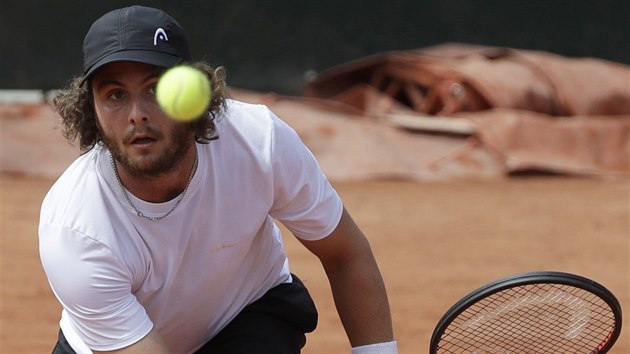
point(471, 310)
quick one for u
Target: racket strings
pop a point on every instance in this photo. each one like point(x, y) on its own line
point(534, 318)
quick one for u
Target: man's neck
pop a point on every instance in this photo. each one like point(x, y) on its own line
point(163, 187)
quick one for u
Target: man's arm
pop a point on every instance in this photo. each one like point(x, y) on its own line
point(151, 343)
point(356, 283)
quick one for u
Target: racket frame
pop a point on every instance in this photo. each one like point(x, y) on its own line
point(543, 277)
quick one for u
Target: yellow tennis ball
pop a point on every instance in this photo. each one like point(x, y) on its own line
point(184, 93)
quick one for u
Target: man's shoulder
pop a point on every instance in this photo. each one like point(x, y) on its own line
point(245, 109)
point(245, 119)
point(76, 191)
point(80, 173)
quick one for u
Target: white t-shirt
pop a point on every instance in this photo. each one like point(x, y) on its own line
point(118, 275)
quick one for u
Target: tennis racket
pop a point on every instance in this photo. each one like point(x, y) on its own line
point(539, 312)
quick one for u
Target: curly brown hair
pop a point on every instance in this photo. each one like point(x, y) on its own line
point(75, 105)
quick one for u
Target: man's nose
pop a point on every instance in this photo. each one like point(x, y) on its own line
point(139, 112)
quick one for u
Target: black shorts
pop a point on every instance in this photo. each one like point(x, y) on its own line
point(274, 324)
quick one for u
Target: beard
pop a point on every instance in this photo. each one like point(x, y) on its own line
point(151, 166)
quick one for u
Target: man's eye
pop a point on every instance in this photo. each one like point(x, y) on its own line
point(153, 89)
point(116, 95)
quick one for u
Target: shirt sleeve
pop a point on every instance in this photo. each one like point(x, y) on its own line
point(304, 200)
point(93, 288)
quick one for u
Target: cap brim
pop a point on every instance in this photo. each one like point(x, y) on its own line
point(163, 60)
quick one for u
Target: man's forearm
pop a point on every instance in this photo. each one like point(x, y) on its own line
point(361, 300)
point(356, 282)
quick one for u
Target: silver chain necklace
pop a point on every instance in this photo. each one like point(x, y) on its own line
point(138, 212)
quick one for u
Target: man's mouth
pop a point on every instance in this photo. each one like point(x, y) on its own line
point(142, 140)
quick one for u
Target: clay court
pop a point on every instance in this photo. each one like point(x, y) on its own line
point(436, 239)
point(435, 242)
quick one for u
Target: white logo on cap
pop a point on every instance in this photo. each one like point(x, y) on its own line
point(159, 34)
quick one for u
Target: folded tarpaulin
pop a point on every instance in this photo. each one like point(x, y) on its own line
point(586, 145)
point(446, 79)
point(534, 110)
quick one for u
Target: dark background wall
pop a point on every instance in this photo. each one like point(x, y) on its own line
point(270, 45)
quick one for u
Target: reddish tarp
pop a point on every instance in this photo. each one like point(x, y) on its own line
point(534, 110)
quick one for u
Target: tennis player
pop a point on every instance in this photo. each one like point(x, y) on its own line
point(162, 236)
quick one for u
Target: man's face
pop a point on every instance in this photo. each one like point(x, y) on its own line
point(138, 133)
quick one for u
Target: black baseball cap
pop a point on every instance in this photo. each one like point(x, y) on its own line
point(135, 33)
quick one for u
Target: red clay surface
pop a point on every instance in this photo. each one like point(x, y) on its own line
point(435, 242)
